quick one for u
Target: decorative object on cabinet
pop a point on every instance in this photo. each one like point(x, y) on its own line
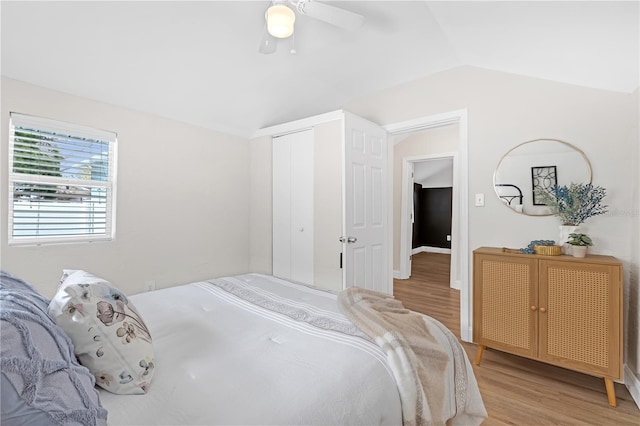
point(551, 250)
point(565, 231)
point(579, 243)
point(575, 203)
point(519, 168)
point(563, 311)
point(576, 239)
point(530, 249)
point(542, 179)
point(579, 251)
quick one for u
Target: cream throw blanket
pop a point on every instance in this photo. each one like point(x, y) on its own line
point(416, 358)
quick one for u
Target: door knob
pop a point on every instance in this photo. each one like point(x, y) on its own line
point(348, 240)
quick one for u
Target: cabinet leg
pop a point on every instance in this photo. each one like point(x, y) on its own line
point(481, 349)
point(611, 391)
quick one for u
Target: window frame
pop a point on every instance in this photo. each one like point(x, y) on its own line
point(64, 129)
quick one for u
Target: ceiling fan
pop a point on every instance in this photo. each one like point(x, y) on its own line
point(280, 18)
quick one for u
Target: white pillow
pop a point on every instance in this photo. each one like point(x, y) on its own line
point(109, 336)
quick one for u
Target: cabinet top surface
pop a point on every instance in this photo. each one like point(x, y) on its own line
point(590, 258)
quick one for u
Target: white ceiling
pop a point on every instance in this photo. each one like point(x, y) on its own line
point(198, 62)
point(434, 173)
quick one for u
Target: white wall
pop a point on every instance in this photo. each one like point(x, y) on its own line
point(261, 215)
point(327, 205)
point(182, 199)
point(632, 291)
point(505, 110)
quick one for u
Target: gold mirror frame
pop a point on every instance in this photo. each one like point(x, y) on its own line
point(540, 162)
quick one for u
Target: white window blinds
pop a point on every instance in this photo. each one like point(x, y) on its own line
point(61, 182)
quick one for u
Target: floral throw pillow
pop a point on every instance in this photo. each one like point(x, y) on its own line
point(109, 336)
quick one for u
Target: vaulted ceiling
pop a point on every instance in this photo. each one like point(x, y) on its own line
point(198, 61)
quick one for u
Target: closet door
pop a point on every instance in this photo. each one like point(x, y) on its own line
point(293, 206)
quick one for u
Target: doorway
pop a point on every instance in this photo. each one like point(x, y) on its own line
point(460, 258)
point(429, 204)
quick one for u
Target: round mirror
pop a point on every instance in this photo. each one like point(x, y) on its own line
point(539, 163)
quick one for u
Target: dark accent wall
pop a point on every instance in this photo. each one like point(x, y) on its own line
point(432, 212)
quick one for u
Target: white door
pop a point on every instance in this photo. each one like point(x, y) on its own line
point(293, 206)
point(365, 245)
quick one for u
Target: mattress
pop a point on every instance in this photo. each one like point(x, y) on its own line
point(255, 349)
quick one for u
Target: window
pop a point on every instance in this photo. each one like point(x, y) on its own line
point(61, 182)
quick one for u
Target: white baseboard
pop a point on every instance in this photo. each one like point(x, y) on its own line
point(455, 285)
point(430, 250)
point(397, 276)
point(632, 382)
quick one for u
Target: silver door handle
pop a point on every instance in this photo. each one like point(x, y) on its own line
point(348, 240)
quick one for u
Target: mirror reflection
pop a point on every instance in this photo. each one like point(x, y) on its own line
point(538, 163)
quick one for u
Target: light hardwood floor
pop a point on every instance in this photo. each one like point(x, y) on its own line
point(515, 390)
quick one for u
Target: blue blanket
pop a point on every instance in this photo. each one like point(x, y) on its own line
point(36, 358)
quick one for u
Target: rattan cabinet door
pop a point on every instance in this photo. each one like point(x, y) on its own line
point(505, 303)
point(580, 316)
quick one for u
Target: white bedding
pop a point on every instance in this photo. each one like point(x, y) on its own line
point(222, 360)
point(255, 349)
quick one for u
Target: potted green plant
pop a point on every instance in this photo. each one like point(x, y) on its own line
point(579, 243)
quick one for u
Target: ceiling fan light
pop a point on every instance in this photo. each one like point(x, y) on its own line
point(280, 21)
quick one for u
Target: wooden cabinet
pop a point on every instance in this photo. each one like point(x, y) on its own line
point(556, 309)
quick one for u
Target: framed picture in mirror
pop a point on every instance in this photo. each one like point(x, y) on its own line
point(544, 178)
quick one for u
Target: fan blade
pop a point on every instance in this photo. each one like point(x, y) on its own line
point(330, 14)
point(269, 43)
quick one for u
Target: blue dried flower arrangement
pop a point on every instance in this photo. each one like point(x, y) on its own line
point(574, 204)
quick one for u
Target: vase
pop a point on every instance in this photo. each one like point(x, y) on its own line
point(579, 251)
point(565, 230)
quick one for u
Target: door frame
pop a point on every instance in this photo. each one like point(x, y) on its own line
point(462, 178)
point(408, 164)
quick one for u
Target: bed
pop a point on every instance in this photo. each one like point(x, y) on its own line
point(255, 349)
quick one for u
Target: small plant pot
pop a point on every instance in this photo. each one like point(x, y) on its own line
point(579, 251)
